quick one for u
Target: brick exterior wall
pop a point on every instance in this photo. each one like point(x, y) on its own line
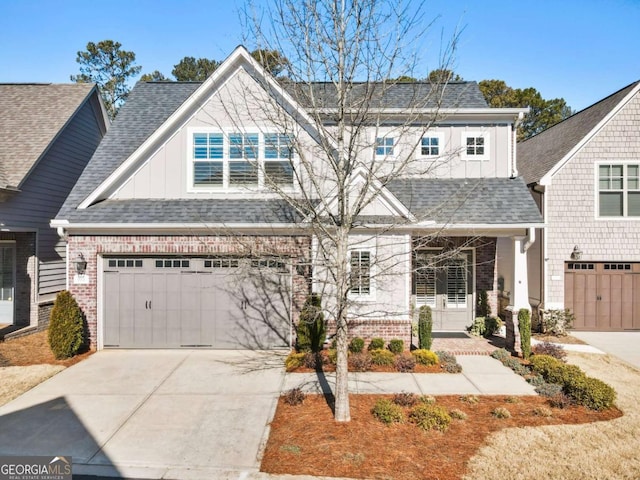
point(371, 328)
point(91, 247)
point(26, 309)
point(572, 208)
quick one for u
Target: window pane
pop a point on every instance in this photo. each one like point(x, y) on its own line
point(242, 173)
point(616, 170)
point(199, 138)
point(251, 145)
point(616, 184)
point(632, 170)
point(207, 173)
point(633, 209)
point(200, 152)
point(633, 184)
point(604, 171)
point(610, 204)
point(480, 141)
point(280, 172)
point(604, 184)
point(479, 150)
point(470, 142)
point(216, 144)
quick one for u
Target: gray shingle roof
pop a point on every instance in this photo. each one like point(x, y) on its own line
point(467, 201)
point(31, 116)
point(539, 154)
point(399, 95)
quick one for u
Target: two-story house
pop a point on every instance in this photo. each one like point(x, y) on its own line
point(584, 174)
point(48, 133)
point(196, 184)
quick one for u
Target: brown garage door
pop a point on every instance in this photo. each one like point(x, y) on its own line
point(224, 303)
point(603, 295)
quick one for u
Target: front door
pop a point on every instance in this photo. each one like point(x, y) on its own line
point(7, 282)
point(444, 282)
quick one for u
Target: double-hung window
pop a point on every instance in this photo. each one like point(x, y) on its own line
point(235, 159)
point(384, 146)
point(619, 190)
point(360, 274)
point(475, 145)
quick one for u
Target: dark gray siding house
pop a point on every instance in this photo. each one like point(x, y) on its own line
point(48, 133)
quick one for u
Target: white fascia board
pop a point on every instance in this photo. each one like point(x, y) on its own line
point(472, 227)
point(181, 228)
point(546, 179)
point(495, 113)
point(240, 53)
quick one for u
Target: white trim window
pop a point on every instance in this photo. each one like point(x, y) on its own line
point(475, 145)
point(431, 145)
point(360, 273)
point(234, 160)
point(385, 146)
point(619, 190)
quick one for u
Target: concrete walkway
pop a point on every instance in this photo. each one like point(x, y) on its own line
point(481, 375)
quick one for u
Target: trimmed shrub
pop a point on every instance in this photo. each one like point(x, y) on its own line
point(387, 412)
point(360, 362)
point(405, 363)
point(430, 417)
point(501, 412)
point(396, 346)
point(382, 357)
point(311, 330)
point(549, 389)
point(66, 326)
point(524, 325)
point(405, 399)
point(552, 349)
point(376, 344)
point(535, 380)
point(458, 414)
point(294, 360)
point(491, 325)
point(591, 392)
point(293, 397)
point(425, 326)
point(448, 362)
point(501, 354)
point(356, 345)
point(515, 365)
point(483, 309)
point(425, 357)
point(546, 366)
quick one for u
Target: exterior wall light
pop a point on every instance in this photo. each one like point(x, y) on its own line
point(576, 254)
point(81, 264)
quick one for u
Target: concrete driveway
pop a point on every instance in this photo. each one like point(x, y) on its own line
point(151, 414)
point(623, 345)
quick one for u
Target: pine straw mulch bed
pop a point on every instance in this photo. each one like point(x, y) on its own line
point(566, 339)
point(374, 368)
point(305, 440)
point(33, 349)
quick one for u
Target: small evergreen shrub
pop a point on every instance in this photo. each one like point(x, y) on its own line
point(428, 399)
point(396, 346)
point(311, 330)
point(501, 412)
point(446, 357)
point(382, 357)
point(535, 380)
point(542, 412)
point(387, 412)
point(483, 309)
point(549, 389)
point(491, 325)
point(524, 325)
point(356, 345)
point(591, 392)
point(405, 399)
point(448, 362)
point(294, 360)
point(66, 326)
point(294, 397)
point(452, 367)
point(376, 344)
point(405, 363)
point(551, 349)
point(332, 356)
point(360, 362)
point(458, 414)
point(425, 327)
point(478, 327)
point(430, 417)
point(501, 354)
point(425, 357)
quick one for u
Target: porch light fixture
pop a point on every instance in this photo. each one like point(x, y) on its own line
point(81, 264)
point(576, 254)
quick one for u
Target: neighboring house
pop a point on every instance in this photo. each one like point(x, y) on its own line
point(48, 133)
point(171, 214)
point(584, 173)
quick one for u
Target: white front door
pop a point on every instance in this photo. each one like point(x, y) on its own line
point(7, 282)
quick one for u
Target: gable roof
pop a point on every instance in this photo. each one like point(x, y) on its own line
point(538, 155)
point(32, 116)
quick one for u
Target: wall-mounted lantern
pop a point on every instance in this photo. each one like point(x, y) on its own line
point(81, 264)
point(576, 254)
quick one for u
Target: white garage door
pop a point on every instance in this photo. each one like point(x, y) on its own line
point(224, 303)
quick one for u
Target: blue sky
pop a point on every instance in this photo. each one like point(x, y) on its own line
point(579, 50)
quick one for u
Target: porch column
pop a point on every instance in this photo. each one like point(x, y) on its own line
point(519, 292)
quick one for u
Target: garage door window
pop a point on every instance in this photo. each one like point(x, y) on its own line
point(124, 263)
point(619, 190)
point(172, 263)
point(222, 263)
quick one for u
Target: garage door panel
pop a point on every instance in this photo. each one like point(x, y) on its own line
point(112, 298)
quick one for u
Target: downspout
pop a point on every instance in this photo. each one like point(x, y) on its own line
point(530, 238)
point(513, 150)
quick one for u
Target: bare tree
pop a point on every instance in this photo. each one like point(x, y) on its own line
point(341, 56)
